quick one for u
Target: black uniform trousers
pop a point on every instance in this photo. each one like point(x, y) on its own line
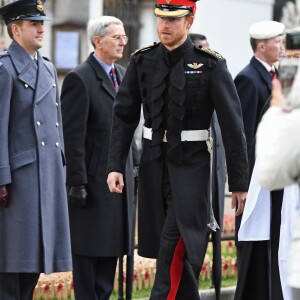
point(93, 277)
point(275, 283)
point(17, 286)
point(175, 277)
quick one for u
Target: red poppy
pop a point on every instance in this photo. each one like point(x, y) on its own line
point(147, 275)
point(47, 288)
point(60, 287)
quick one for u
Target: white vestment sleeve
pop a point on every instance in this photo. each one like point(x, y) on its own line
point(278, 148)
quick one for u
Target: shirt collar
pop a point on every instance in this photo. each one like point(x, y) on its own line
point(34, 56)
point(105, 66)
point(267, 66)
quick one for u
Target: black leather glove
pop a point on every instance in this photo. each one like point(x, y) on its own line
point(77, 195)
point(3, 196)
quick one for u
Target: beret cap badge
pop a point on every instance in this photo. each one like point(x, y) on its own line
point(23, 10)
point(39, 6)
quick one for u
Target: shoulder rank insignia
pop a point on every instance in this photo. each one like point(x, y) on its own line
point(4, 53)
point(146, 48)
point(211, 52)
point(195, 66)
point(46, 58)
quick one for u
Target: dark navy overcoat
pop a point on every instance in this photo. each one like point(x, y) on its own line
point(254, 86)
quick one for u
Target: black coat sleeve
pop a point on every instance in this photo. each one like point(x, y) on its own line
point(228, 109)
point(248, 95)
point(75, 108)
point(126, 117)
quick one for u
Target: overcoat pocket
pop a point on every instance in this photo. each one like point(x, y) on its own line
point(22, 158)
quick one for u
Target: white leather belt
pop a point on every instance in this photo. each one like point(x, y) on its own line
point(186, 135)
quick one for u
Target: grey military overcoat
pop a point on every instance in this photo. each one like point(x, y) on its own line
point(34, 229)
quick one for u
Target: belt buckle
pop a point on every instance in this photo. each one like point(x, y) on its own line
point(165, 137)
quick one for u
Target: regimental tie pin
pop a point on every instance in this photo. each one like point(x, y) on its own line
point(195, 67)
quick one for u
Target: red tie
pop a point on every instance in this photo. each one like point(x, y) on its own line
point(114, 79)
point(273, 73)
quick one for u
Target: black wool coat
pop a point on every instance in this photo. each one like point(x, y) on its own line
point(179, 91)
point(254, 86)
point(105, 226)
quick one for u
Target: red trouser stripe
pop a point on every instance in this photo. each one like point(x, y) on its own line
point(176, 269)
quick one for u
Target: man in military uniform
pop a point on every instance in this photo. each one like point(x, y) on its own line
point(34, 226)
point(179, 86)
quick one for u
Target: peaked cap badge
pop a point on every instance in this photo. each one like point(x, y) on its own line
point(195, 66)
point(168, 1)
point(39, 6)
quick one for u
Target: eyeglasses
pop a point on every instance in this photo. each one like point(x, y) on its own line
point(119, 39)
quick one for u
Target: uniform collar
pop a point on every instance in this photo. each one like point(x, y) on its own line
point(20, 57)
point(178, 53)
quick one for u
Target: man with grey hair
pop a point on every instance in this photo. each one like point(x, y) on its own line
point(101, 223)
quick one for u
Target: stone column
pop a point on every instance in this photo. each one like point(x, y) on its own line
point(95, 11)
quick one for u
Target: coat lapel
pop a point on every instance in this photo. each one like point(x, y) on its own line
point(102, 76)
point(25, 66)
point(45, 80)
point(262, 71)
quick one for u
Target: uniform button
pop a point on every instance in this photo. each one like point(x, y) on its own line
point(56, 124)
point(38, 123)
point(56, 145)
point(54, 85)
point(26, 86)
point(43, 144)
point(56, 104)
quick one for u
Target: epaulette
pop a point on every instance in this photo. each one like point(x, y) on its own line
point(46, 58)
point(146, 48)
point(4, 53)
point(211, 52)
